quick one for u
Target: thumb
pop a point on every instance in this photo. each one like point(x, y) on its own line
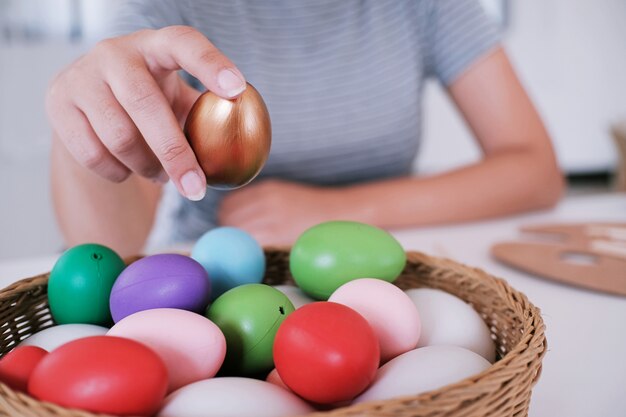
point(182, 47)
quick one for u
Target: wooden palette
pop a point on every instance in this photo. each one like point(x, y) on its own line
point(589, 255)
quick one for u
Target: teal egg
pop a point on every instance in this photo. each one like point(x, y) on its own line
point(80, 284)
point(330, 254)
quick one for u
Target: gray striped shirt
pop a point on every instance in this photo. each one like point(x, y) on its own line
point(342, 80)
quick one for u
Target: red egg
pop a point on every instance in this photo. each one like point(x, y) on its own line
point(326, 352)
point(17, 366)
point(102, 374)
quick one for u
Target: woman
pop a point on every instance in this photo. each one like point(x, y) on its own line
point(343, 82)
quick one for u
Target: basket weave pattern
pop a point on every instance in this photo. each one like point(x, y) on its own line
point(503, 389)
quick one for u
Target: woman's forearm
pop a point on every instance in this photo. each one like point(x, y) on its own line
point(502, 184)
point(91, 209)
point(518, 173)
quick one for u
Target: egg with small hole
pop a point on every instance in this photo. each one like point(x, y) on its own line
point(297, 297)
point(249, 316)
point(80, 284)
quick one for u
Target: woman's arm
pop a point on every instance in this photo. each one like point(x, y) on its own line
point(90, 208)
point(518, 172)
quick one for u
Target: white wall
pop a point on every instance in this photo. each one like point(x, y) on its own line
point(27, 226)
point(571, 54)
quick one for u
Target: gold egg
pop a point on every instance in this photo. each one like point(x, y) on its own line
point(231, 138)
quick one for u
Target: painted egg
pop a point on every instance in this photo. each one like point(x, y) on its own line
point(448, 320)
point(274, 378)
point(160, 281)
point(390, 312)
point(190, 345)
point(231, 138)
point(421, 370)
point(80, 284)
point(231, 257)
point(53, 337)
point(249, 316)
point(102, 374)
point(297, 297)
point(326, 353)
point(17, 366)
point(233, 397)
point(330, 254)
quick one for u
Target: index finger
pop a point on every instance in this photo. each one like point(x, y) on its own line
point(142, 98)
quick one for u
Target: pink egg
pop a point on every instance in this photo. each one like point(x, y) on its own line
point(388, 310)
point(190, 345)
point(274, 378)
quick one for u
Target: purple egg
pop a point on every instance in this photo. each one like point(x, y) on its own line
point(160, 281)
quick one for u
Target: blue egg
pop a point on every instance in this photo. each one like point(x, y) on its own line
point(231, 257)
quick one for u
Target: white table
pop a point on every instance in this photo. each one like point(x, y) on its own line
point(584, 371)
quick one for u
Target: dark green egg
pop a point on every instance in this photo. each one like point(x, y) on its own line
point(80, 284)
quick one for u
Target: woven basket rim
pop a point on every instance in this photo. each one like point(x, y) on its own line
point(535, 337)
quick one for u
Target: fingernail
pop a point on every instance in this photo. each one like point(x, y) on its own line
point(230, 82)
point(193, 186)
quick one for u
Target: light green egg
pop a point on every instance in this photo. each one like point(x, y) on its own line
point(330, 254)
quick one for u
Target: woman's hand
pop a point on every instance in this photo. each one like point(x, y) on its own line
point(276, 212)
point(119, 108)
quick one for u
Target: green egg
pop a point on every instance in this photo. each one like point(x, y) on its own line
point(249, 317)
point(330, 254)
point(80, 284)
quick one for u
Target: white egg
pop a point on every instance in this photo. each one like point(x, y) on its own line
point(421, 370)
point(448, 320)
point(53, 337)
point(297, 297)
point(233, 397)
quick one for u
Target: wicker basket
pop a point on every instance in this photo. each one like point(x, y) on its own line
point(503, 389)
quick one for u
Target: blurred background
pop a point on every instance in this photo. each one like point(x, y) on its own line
point(570, 54)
